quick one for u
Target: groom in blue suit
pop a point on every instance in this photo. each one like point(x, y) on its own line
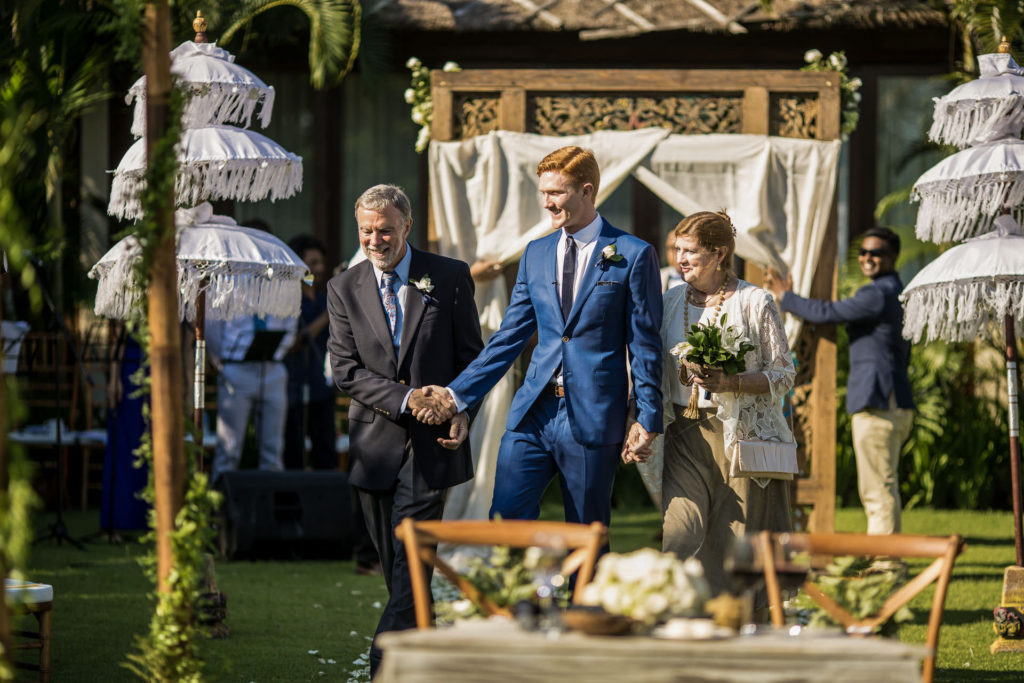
point(593, 295)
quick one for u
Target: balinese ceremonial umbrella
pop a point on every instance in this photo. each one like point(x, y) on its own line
point(242, 271)
point(219, 90)
point(962, 194)
point(988, 108)
point(215, 162)
point(970, 291)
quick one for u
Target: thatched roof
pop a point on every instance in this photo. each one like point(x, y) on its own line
point(596, 19)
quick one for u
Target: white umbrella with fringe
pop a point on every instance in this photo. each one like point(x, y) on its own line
point(961, 195)
point(215, 162)
point(988, 108)
point(243, 271)
point(971, 291)
point(219, 90)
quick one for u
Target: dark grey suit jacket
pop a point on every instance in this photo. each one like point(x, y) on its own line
point(440, 336)
point(879, 355)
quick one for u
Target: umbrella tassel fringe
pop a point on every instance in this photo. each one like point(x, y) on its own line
point(963, 311)
point(966, 122)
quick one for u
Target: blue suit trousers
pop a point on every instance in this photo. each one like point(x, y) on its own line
point(543, 446)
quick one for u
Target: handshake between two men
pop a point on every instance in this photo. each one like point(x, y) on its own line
point(434, 405)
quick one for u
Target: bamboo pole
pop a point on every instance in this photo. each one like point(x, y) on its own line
point(167, 384)
point(1012, 392)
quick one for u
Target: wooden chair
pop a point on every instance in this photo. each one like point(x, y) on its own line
point(421, 538)
point(943, 548)
point(35, 599)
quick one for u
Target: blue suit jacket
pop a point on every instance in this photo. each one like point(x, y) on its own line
point(879, 355)
point(617, 309)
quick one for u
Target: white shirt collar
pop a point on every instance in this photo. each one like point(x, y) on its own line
point(585, 235)
point(401, 270)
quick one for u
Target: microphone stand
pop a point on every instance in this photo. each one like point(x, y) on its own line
point(59, 530)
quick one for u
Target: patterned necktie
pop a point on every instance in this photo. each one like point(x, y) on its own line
point(387, 292)
point(568, 276)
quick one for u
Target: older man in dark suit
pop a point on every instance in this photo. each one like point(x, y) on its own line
point(878, 393)
point(403, 318)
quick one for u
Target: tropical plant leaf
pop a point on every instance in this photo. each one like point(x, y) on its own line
point(334, 33)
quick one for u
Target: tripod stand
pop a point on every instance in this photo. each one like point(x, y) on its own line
point(58, 530)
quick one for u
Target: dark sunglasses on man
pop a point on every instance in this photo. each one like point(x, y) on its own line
point(876, 253)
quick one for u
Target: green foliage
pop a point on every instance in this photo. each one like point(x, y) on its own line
point(334, 32)
point(858, 590)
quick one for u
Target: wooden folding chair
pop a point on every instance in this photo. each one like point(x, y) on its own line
point(943, 548)
point(421, 539)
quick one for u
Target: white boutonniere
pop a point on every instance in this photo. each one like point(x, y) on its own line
point(423, 284)
point(609, 253)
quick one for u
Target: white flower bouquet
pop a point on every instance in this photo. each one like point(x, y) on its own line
point(648, 586)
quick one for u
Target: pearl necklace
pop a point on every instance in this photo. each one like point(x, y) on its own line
point(718, 306)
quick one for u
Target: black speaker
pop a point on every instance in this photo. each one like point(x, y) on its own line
point(285, 514)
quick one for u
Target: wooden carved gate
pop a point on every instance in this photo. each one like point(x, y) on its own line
point(784, 103)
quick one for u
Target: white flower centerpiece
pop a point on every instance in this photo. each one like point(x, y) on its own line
point(648, 586)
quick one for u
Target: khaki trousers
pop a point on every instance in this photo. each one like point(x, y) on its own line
point(706, 510)
point(878, 436)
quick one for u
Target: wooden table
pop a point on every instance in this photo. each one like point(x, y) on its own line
point(490, 651)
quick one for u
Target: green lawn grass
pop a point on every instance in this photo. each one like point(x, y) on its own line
point(279, 611)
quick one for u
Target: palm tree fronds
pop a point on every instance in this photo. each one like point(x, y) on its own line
point(334, 33)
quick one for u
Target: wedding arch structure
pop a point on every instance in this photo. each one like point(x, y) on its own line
point(776, 106)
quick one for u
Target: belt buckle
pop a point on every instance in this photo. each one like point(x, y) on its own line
point(559, 391)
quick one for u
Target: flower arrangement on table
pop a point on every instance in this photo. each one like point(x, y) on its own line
point(712, 345)
point(508, 577)
point(648, 586)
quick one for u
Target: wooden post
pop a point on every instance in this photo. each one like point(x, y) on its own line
point(167, 422)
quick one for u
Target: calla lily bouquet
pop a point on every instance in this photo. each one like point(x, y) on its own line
point(714, 346)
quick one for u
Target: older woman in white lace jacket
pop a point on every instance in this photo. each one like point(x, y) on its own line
point(723, 472)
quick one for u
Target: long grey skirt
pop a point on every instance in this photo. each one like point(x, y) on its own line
point(704, 508)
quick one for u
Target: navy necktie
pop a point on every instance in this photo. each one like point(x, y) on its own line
point(568, 276)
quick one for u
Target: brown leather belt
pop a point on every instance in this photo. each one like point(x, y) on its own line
point(557, 390)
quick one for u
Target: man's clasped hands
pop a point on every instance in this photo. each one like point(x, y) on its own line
point(434, 405)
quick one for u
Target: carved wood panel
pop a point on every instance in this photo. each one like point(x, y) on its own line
point(794, 115)
point(569, 114)
point(476, 114)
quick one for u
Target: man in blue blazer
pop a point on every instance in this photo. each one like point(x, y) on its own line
point(593, 295)
point(878, 393)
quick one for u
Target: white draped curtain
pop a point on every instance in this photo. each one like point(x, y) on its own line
point(486, 205)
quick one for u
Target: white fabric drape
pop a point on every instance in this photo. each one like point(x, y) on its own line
point(486, 205)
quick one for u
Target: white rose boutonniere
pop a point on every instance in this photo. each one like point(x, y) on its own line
point(423, 284)
point(610, 254)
